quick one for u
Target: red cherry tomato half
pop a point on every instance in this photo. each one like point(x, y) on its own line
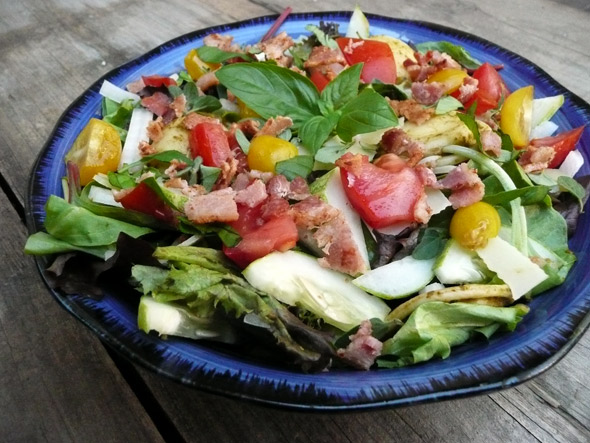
point(562, 144)
point(209, 141)
point(156, 81)
point(377, 58)
point(490, 89)
point(144, 199)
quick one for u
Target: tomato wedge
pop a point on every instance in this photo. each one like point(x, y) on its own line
point(209, 141)
point(319, 79)
point(562, 144)
point(260, 238)
point(376, 56)
point(381, 197)
point(490, 89)
point(144, 199)
point(156, 81)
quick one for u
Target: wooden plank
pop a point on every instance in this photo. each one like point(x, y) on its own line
point(57, 382)
point(64, 46)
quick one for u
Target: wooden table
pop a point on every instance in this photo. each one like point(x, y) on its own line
point(57, 380)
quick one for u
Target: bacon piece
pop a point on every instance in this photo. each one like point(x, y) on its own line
point(391, 162)
point(422, 210)
point(274, 48)
point(158, 103)
point(298, 189)
point(207, 80)
point(249, 127)
point(274, 207)
point(229, 169)
point(274, 126)
point(312, 212)
point(223, 42)
point(175, 165)
point(363, 348)
point(466, 186)
point(536, 158)
point(429, 63)
point(426, 175)
point(411, 110)
point(217, 206)
point(252, 195)
point(155, 129)
point(491, 143)
point(322, 56)
point(278, 186)
point(193, 119)
point(145, 149)
point(427, 93)
point(396, 141)
point(176, 183)
point(194, 191)
point(136, 87)
point(467, 89)
point(178, 105)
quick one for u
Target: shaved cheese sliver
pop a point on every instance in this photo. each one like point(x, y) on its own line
point(140, 118)
point(103, 196)
point(115, 93)
point(572, 163)
point(542, 130)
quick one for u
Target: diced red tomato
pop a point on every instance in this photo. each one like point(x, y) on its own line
point(209, 141)
point(144, 199)
point(490, 89)
point(381, 197)
point(377, 57)
point(260, 238)
point(156, 81)
point(319, 79)
point(562, 144)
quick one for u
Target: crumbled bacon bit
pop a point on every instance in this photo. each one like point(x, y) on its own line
point(491, 142)
point(155, 129)
point(217, 206)
point(312, 212)
point(427, 93)
point(426, 175)
point(176, 183)
point(274, 126)
point(207, 80)
point(324, 56)
point(274, 207)
point(145, 149)
point(249, 127)
point(422, 210)
point(363, 348)
point(223, 42)
point(278, 186)
point(396, 141)
point(411, 110)
point(390, 162)
point(466, 186)
point(175, 165)
point(298, 189)
point(275, 48)
point(536, 158)
point(252, 195)
point(194, 190)
point(229, 169)
point(427, 64)
point(136, 86)
point(158, 103)
point(467, 89)
point(178, 105)
point(193, 119)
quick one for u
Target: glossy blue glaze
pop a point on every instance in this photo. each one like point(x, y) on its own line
point(556, 321)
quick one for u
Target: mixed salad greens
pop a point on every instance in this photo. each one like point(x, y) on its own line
point(321, 201)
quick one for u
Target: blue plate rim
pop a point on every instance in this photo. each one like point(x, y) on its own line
point(75, 307)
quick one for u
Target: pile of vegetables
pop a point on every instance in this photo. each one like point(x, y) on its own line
point(423, 282)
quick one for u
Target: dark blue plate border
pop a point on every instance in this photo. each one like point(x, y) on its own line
point(557, 319)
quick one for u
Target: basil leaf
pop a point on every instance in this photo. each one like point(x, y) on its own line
point(386, 90)
point(447, 104)
point(167, 157)
point(431, 244)
point(122, 180)
point(528, 195)
point(344, 87)
point(316, 131)
point(573, 187)
point(323, 38)
point(209, 175)
point(242, 141)
point(368, 112)
point(459, 53)
point(299, 166)
point(211, 54)
point(471, 124)
point(271, 90)
point(329, 153)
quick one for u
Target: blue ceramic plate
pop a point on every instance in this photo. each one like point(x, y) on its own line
point(556, 321)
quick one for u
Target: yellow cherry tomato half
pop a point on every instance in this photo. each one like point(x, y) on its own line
point(96, 149)
point(245, 111)
point(451, 79)
point(473, 225)
point(516, 115)
point(197, 67)
point(266, 151)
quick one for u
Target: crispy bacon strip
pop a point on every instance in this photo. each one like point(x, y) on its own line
point(363, 348)
point(217, 206)
point(466, 186)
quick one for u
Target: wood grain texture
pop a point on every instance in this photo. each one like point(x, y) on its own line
point(57, 382)
point(50, 52)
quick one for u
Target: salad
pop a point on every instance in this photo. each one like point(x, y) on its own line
point(325, 200)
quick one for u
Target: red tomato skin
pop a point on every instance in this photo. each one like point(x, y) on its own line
point(209, 141)
point(143, 199)
point(562, 144)
point(381, 197)
point(156, 81)
point(277, 234)
point(379, 63)
point(319, 79)
point(490, 89)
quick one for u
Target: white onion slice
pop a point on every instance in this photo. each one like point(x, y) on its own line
point(115, 93)
point(572, 163)
point(140, 118)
